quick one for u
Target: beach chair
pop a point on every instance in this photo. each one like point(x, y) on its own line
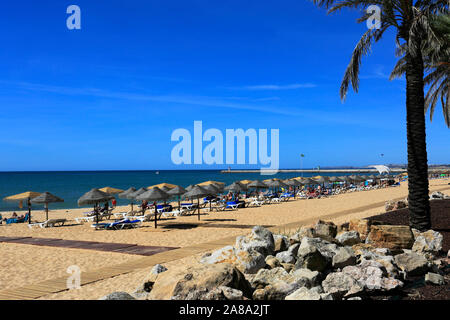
point(255, 203)
point(48, 224)
point(118, 225)
point(17, 220)
point(233, 205)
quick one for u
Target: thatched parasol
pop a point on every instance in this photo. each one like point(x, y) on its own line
point(22, 197)
point(154, 194)
point(196, 193)
point(46, 198)
point(94, 197)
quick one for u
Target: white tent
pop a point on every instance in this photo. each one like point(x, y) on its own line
point(381, 168)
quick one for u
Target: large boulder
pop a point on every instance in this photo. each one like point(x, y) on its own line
point(247, 261)
point(326, 248)
point(311, 258)
point(325, 230)
point(281, 243)
point(260, 240)
point(395, 238)
point(286, 257)
point(411, 264)
point(303, 232)
point(428, 243)
point(344, 257)
point(340, 284)
point(197, 281)
point(434, 278)
point(312, 277)
point(362, 226)
point(348, 238)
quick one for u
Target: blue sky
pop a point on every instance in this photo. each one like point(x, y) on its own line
point(108, 96)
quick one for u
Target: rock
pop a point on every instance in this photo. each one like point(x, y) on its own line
point(293, 249)
point(348, 238)
point(345, 257)
point(277, 283)
point(434, 278)
point(326, 296)
point(325, 230)
point(311, 276)
point(260, 240)
point(259, 294)
point(158, 269)
point(354, 298)
point(303, 294)
point(118, 296)
point(339, 284)
point(281, 243)
point(311, 258)
point(142, 291)
point(395, 238)
point(231, 294)
point(272, 262)
point(326, 248)
point(401, 204)
point(370, 275)
point(389, 205)
point(343, 227)
point(303, 232)
point(246, 261)
point(195, 282)
point(288, 266)
point(428, 243)
point(266, 277)
point(286, 257)
point(437, 195)
point(361, 226)
point(412, 264)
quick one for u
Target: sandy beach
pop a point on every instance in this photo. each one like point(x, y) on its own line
point(27, 264)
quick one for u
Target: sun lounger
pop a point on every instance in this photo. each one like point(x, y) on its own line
point(17, 220)
point(256, 203)
point(49, 223)
point(118, 225)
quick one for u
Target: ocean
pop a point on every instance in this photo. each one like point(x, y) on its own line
point(71, 185)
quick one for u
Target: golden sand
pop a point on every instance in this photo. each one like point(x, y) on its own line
point(27, 264)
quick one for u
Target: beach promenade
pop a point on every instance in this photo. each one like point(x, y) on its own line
point(39, 272)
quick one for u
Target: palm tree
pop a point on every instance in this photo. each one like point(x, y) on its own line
point(436, 59)
point(411, 21)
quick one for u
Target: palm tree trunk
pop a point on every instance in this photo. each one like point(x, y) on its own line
point(418, 199)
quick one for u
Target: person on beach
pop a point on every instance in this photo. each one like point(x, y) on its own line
point(114, 202)
point(13, 216)
point(144, 206)
point(105, 208)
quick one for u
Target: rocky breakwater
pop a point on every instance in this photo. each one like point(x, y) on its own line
point(356, 260)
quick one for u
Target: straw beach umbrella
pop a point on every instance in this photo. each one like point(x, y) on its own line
point(205, 183)
point(46, 198)
point(154, 194)
point(22, 197)
point(94, 197)
point(111, 190)
point(163, 185)
point(213, 191)
point(196, 193)
point(125, 195)
point(257, 184)
point(235, 187)
point(177, 191)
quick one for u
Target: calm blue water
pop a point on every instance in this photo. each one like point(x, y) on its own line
point(70, 186)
